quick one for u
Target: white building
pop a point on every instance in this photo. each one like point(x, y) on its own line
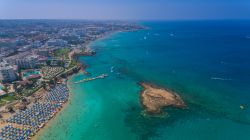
point(23, 60)
point(12, 59)
point(7, 73)
point(28, 62)
point(57, 42)
point(43, 51)
point(37, 44)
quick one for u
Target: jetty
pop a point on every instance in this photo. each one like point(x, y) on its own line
point(91, 79)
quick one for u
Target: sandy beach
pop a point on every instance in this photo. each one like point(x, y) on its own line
point(49, 123)
point(65, 105)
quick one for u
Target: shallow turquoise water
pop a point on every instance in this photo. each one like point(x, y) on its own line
point(206, 62)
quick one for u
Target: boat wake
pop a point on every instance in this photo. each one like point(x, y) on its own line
point(172, 34)
point(117, 45)
point(222, 62)
point(112, 69)
point(222, 79)
point(146, 36)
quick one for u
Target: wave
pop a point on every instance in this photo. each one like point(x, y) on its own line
point(172, 34)
point(223, 62)
point(117, 45)
point(222, 79)
point(156, 34)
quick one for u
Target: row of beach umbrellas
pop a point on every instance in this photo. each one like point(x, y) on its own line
point(35, 116)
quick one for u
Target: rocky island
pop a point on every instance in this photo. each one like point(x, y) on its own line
point(155, 98)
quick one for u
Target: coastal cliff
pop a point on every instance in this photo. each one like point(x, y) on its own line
point(155, 99)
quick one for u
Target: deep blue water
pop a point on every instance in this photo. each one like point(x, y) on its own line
point(206, 62)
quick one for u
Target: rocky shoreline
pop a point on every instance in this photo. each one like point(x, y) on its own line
point(154, 98)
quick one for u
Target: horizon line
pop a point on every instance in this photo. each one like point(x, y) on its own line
point(75, 19)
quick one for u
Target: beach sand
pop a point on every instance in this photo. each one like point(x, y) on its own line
point(48, 124)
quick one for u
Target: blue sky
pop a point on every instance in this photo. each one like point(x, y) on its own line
point(125, 9)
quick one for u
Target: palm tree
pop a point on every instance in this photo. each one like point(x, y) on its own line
point(10, 109)
point(5, 89)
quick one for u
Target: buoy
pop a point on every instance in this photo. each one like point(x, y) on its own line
point(242, 107)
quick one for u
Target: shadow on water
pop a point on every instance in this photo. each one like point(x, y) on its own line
point(147, 127)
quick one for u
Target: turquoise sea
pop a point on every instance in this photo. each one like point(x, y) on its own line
point(206, 62)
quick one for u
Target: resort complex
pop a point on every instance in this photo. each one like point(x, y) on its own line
point(124, 69)
point(34, 67)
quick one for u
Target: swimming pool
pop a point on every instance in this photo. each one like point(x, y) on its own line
point(29, 73)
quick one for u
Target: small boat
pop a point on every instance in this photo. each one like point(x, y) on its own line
point(242, 107)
